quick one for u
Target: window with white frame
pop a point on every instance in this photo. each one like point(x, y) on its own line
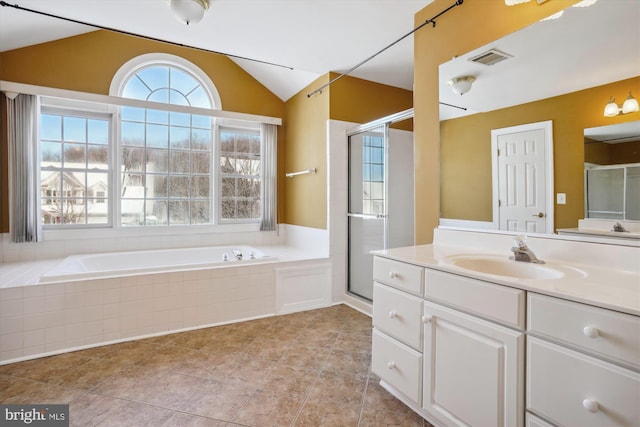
point(154, 166)
point(74, 168)
point(165, 156)
point(240, 167)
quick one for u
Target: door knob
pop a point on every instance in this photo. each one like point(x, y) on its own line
point(539, 215)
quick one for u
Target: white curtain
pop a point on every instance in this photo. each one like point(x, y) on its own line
point(22, 130)
point(269, 174)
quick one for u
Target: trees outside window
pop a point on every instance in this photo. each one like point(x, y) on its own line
point(157, 167)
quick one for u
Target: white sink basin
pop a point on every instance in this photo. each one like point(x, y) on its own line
point(505, 267)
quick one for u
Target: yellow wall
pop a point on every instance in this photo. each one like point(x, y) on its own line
point(306, 147)
point(466, 27)
point(465, 146)
point(348, 99)
point(89, 61)
point(361, 101)
point(601, 153)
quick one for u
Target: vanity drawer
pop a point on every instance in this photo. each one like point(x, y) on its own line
point(607, 333)
point(398, 365)
point(400, 275)
point(572, 389)
point(398, 314)
point(499, 303)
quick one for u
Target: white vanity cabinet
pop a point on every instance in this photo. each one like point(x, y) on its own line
point(582, 364)
point(450, 347)
point(473, 367)
point(462, 351)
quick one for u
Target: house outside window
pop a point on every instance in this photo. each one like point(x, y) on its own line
point(74, 150)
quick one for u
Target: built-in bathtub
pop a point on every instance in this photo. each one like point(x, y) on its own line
point(117, 264)
point(83, 301)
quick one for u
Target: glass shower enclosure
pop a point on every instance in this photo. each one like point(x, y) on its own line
point(380, 207)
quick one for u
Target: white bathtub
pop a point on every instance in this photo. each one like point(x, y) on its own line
point(85, 267)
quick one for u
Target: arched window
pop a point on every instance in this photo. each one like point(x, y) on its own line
point(166, 157)
point(170, 79)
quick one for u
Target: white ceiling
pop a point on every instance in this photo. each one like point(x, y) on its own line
point(585, 47)
point(311, 36)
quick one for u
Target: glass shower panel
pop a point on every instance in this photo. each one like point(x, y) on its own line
point(367, 209)
point(365, 235)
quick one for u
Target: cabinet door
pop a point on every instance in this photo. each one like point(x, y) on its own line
point(473, 370)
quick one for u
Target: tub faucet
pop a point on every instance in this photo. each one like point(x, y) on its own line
point(619, 228)
point(522, 253)
point(237, 253)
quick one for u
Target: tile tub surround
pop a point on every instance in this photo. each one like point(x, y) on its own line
point(305, 369)
point(40, 320)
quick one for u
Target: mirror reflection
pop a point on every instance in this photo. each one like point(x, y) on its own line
point(612, 171)
point(542, 75)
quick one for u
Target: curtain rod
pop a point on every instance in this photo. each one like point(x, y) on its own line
point(453, 106)
point(127, 33)
point(428, 21)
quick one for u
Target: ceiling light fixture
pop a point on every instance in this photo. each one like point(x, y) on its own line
point(461, 85)
point(630, 105)
point(189, 11)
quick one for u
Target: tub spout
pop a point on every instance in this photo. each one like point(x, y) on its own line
point(237, 253)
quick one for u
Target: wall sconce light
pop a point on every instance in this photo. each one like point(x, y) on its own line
point(189, 11)
point(630, 105)
point(461, 85)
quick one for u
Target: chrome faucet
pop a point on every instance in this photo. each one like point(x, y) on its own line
point(619, 228)
point(237, 253)
point(522, 253)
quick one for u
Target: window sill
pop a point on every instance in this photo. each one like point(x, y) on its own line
point(128, 232)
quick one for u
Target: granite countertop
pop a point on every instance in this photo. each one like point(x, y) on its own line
point(595, 285)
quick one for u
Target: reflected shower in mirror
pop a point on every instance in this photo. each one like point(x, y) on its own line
point(612, 171)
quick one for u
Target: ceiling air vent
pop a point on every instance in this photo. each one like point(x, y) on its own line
point(490, 57)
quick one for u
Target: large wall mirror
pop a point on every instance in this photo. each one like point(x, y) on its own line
point(559, 72)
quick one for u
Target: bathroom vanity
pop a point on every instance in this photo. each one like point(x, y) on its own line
point(464, 336)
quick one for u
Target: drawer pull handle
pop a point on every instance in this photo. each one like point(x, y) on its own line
point(391, 365)
point(590, 405)
point(591, 331)
point(393, 275)
point(393, 315)
point(426, 319)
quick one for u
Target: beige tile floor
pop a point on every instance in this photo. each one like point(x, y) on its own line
point(303, 369)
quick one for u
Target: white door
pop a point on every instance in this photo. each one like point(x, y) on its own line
point(523, 178)
point(473, 370)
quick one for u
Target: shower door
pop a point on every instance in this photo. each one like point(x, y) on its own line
point(380, 206)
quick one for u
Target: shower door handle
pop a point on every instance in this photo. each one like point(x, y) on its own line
point(370, 216)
